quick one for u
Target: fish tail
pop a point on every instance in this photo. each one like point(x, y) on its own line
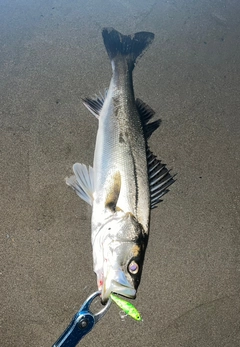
point(129, 46)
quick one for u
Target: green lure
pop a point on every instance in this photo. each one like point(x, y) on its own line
point(127, 307)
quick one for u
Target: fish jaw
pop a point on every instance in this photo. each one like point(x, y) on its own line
point(112, 275)
point(115, 281)
point(118, 243)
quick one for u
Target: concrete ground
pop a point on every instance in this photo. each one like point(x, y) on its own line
point(52, 55)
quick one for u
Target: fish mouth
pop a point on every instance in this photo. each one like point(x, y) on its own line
point(116, 282)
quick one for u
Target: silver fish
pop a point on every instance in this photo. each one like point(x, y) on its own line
point(126, 179)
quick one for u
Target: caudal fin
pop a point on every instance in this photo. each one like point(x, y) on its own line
point(126, 45)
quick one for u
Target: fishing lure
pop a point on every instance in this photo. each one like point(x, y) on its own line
point(127, 307)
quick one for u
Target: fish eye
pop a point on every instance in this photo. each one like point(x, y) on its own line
point(133, 267)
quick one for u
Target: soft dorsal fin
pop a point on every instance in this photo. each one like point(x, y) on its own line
point(159, 179)
point(82, 182)
point(95, 104)
point(146, 113)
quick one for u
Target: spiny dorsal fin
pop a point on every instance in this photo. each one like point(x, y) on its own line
point(95, 104)
point(159, 178)
point(146, 113)
point(82, 182)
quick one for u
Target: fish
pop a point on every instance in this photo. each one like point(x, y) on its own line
point(126, 180)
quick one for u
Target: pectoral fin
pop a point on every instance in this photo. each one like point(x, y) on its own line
point(113, 191)
point(82, 182)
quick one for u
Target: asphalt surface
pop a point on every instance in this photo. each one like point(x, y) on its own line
point(52, 55)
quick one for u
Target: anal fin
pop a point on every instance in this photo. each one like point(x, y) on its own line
point(95, 104)
point(82, 182)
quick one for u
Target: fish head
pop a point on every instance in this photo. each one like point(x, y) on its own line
point(119, 255)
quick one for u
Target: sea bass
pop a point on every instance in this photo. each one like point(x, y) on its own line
point(126, 179)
